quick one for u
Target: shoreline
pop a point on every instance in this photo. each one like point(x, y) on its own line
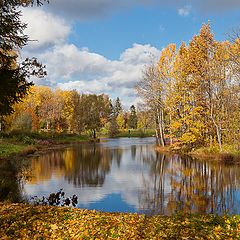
point(38, 148)
point(221, 157)
point(23, 221)
point(45, 145)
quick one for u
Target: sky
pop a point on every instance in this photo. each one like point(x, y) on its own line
point(103, 46)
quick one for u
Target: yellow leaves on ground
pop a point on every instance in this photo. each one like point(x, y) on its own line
point(19, 221)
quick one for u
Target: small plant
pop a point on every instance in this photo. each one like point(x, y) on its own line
point(55, 199)
point(28, 140)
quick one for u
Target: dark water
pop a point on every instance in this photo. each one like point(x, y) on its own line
point(128, 175)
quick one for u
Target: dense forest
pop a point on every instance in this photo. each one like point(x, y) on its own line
point(194, 92)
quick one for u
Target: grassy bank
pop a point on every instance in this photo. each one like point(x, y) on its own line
point(20, 221)
point(136, 133)
point(21, 143)
point(24, 143)
point(7, 149)
point(229, 153)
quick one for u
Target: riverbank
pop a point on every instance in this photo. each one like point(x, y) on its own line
point(21, 221)
point(22, 144)
point(229, 155)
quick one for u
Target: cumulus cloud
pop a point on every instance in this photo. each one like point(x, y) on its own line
point(70, 67)
point(45, 29)
point(66, 61)
point(138, 54)
point(184, 11)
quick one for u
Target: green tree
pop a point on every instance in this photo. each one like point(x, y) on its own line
point(117, 107)
point(14, 76)
point(132, 121)
point(113, 127)
point(96, 111)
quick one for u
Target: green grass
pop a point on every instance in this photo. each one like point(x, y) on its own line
point(229, 153)
point(70, 138)
point(8, 149)
point(136, 133)
point(23, 143)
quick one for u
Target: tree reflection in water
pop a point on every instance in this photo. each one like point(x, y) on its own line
point(12, 175)
point(82, 165)
point(143, 179)
point(176, 184)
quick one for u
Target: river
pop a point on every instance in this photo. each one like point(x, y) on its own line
point(128, 175)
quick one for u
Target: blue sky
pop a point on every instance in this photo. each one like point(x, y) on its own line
point(102, 46)
point(147, 25)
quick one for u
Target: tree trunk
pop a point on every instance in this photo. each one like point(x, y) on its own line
point(170, 130)
point(219, 136)
point(157, 137)
point(161, 129)
point(94, 133)
point(157, 130)
point(218, 130)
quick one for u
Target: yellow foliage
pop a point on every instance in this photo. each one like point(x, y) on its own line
point(188, 138)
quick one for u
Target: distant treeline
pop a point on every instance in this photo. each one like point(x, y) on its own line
point(69, 111)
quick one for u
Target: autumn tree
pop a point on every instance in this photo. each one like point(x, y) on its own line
point(96, 111)
point(14, 83)
point(193, 92)
point(145, 117)
point(154, 85)
point(150, 89)
point(116, 119)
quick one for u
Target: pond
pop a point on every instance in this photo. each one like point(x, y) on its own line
point(128, 175)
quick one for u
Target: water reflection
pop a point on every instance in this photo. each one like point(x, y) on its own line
point(81, 165)
point(189, 185)
point(11, 179)
point(131, 173)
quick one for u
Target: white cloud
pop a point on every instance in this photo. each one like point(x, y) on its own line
point(72, 68)
point(184, 11)
point(89, 87)
point(139, 54)
point(44, 28)
point(67, 61)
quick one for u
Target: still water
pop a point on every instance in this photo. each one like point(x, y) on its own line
point(128, 175)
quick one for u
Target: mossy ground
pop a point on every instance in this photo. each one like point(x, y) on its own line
point(7, 149)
